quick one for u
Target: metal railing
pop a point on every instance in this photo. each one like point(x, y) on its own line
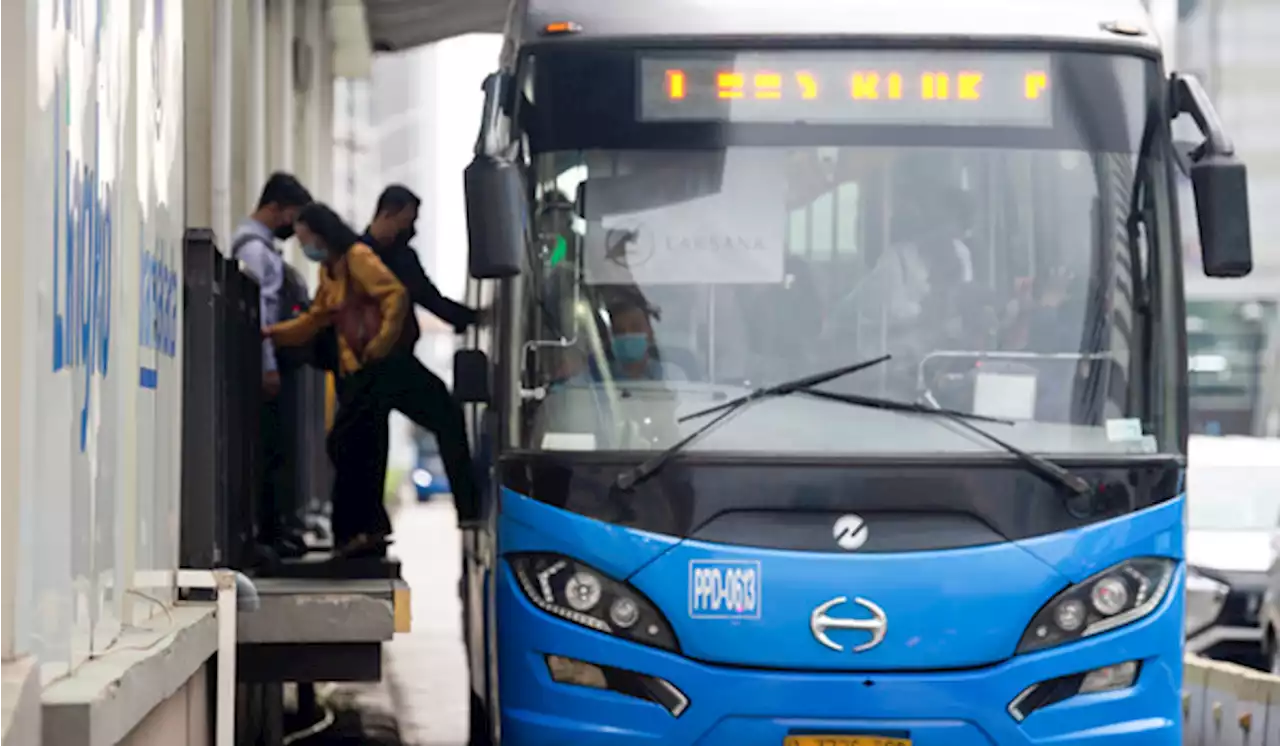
point(222, 474)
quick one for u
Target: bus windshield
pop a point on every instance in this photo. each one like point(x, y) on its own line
point(711, 222)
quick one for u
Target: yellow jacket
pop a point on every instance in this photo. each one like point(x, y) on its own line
point(371, 277)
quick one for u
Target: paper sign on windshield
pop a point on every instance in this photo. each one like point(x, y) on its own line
point(731, 233)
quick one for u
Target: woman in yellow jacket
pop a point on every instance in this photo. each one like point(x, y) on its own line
point(367, 304)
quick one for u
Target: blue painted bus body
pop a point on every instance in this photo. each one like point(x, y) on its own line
point(1002, 599)
point(944, 675)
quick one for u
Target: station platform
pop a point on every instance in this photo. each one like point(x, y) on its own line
point(319, 619)
point(426, 670)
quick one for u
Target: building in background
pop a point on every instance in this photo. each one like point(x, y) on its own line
point(1233, 328)
point(1233, 46)
point(355, 179)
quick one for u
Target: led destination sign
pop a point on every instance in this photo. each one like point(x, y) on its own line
point(926, 88)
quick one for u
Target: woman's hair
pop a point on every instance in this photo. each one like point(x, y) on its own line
point(326, 224)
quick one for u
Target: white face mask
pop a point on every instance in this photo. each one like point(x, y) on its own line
point(314, 253)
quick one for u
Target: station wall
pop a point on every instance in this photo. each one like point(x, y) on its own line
point(125, 123)
point(101, 276)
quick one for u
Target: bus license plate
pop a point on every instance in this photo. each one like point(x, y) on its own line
point(845, 740)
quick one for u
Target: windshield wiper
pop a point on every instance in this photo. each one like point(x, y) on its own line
point(788, 387)
point(1038, 464)
point(1140, 217)
point(633, 476)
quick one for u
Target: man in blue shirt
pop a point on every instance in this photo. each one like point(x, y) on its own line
point(254, 243)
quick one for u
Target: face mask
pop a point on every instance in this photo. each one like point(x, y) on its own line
point(406, 235)
point(284, 232)
point(630, 348)
point(314, 253)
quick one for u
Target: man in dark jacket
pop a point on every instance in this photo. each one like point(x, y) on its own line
point(420, 395)
point(389, 234)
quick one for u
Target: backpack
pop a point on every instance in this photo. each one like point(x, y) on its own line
point(294, 300)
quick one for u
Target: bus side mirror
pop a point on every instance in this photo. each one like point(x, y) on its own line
point(496, 217)
point(1220, 184)
point(1222, 209)
point(471, 377)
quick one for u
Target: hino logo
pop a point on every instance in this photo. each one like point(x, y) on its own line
point(819, 623)
point(850, 532)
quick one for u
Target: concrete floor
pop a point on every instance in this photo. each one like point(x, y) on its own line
point(426, 669)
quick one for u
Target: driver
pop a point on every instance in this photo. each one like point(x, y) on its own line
point(633, 351)
point(578, 406)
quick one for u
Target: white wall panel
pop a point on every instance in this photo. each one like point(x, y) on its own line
point(93, 253)
point(102, 390)
point(17, 97)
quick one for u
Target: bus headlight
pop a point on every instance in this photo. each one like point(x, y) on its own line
point(581, 594)
point(1121, 594)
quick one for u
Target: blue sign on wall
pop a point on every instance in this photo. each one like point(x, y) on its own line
point(82, 261)
point(158, 326)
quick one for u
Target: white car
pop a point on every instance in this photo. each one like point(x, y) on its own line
point(1233, 512)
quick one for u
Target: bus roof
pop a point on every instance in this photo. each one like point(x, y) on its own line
point(1053, 21)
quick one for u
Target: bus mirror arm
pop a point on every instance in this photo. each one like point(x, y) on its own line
point(1220, 184)
point(1190, 98)
point(495, 89)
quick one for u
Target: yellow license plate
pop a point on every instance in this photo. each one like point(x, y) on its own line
point(845, 740)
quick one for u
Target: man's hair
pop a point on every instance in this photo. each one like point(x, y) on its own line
point(395, 198)
point(285, 190)
point(632, 300)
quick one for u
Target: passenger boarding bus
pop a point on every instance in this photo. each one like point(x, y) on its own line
point(835, 387)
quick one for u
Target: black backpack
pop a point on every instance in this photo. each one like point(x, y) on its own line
point(294, 301)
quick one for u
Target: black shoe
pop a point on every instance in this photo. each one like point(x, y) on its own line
point(363, 546)
point(290, 548)
point(260, 559)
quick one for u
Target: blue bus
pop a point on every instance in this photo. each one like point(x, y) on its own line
point(835, 387)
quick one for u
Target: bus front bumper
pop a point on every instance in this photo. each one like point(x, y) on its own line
point(717, 705)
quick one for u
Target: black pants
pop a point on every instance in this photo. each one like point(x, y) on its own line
point(279, 514)
point(271, 463)
point(420, 395)
point(355, 452)
point(358, 441)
